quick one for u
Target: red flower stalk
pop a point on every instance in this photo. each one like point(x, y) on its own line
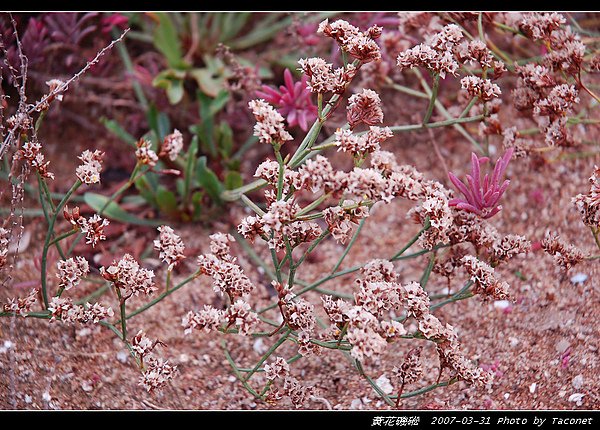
point(292, 100)
point(482, 198)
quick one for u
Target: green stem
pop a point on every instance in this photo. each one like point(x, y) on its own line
point(427, 272)
point(412, 241)
point(267, 354)
point(434, 92)
point(248, 202)
point(137, 88)
point(42, 186)
point(123, 313)
point(350, 245)
point(373, 384)
point(312, 247)
point(163, 295)
point(252, 254)
point(49, 233)
point(62, 236)
point(281, 172)
point(405, 90)
point(168, 280)
point(468, 108)
point(425, 389)
point(445, 112)
point(236, 371)
point(460, 295)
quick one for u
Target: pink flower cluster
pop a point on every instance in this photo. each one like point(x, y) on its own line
point(170, 246)
point(436, 55)
point(126, 274)
point(228, 277)
point(89, 171)
point(71, 271)
point(269, 126)
point(589, 204)
point(292, 100)
point(361, 46)
point(65, 310)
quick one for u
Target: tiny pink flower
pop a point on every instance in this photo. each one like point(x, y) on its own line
point(482, 198)
point(292, 100)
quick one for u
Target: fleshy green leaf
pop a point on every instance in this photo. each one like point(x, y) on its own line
point(208, 180)
point(115, 128)
point(167, 41)
point(115, 212)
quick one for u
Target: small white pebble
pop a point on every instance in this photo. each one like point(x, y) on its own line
point(384, 384)
point(501, 304)
point(513, 341)
point(260, 270)
point(84, 332)
point(28, 399)
point(562, 346)
point(576, 398)
point(356, 404)
point(259, 346)
point(577, 382)
point(122, 356)
point(184, 358)
point(506, 395)
point(8, 344)
point(232, 378)
point(562, 393)
point(87, 386)
point(532, 388)
point(46, 396)
point(579, 278)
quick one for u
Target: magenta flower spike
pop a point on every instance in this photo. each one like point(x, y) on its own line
point(292, 100)
point(482, 198)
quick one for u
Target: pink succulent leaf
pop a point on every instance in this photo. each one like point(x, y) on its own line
point(493, 212)
point(469, 208)
point(461, 187)
point(482, 198)
point(475, 191)
point(475, 171)
point(292, 100)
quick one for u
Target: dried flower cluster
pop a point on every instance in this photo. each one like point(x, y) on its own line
point(157, 372)
point(486, 282)
point(71, 271)
point(172, 145)
point(589, 204)
point(485, 89)
point(4, 241)
point(565, 254)
point(269, 126)
point(359, 45)
point(127, 275)
point(31, 153)
point(21, 306)
point(92, 227)
point(91, 166)
point(436, 55)
point(323, 78)
point(170, 246)
point(145, 154)
point(364, 107)
point(63, 308)
point(228, 277)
